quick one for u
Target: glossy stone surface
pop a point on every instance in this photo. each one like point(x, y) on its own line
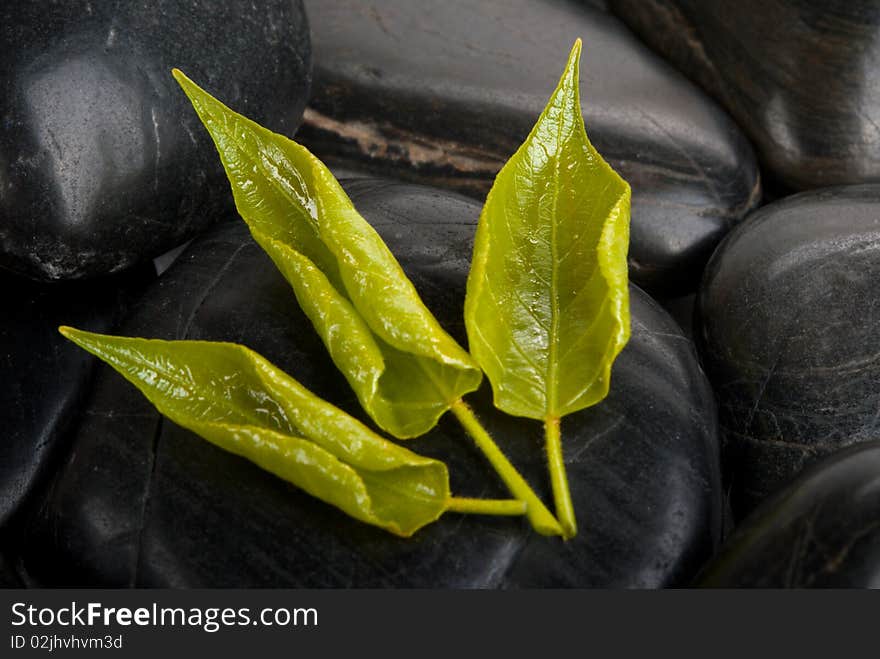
point(445, 92)
point(790, 324)
point(103, 162)
point(143, 502)
point(822, 531)
point(802, 78)
point(43, 374)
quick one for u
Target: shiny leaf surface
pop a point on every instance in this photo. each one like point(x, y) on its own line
point(237, 400)
point(405, 369)
point(547, 307)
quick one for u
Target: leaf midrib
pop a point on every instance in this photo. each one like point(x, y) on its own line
point(248, 415)
point(275, 184)
point(552, 366)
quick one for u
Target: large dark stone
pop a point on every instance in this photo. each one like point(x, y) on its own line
point(103, 162)
point(822, 531)
point(790, 324)
point(143, 502)
point(801, 77)
point(445, 92)
point(43, 374)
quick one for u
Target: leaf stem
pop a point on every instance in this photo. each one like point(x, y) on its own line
point(559, 478)
point(508, 507)
point(542, 519)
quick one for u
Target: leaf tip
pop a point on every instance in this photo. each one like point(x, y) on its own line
point(194, 93)
point(185, 83)
point(574, 57)
point(569, 81)
point(80, 337)
point(85, 340)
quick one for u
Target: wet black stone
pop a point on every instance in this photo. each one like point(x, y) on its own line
point(143, 502)
point(822, 531)
point(802, 78)
point(446, 92)
point(43, 374)
point(103, 162)
point(790, 324)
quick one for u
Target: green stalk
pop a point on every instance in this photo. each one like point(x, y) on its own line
point(508, 507)
point(542, 519)
point(559, 478)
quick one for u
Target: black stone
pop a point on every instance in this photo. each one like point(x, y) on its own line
point(790, 324)
point(143, 502)
point(103, 162)
point(822, 531)
point(8, 577)
point(43, 374)
point(446, 92)
point(682, 310)
point(802, 78)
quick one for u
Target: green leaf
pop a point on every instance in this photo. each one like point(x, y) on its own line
point(237, 400)
point(405, 369)
point(547, 306)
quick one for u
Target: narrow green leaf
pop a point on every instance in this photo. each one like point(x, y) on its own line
point(237, 400)
point(406, 370)
point(547, 307)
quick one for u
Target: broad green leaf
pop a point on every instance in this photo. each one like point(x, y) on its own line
point(237, 400)
point(547, 307)
point(405, 369)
